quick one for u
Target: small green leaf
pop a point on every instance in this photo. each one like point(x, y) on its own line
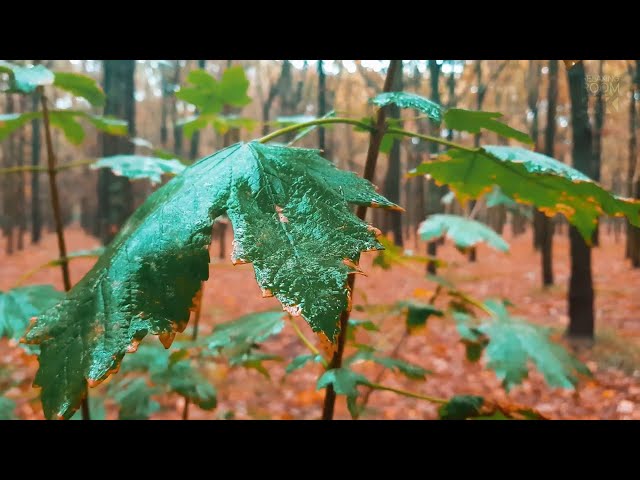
point(409, 100)
point(134, 400)
point(461, 407)
point(81, 86)
point(7, 409)
point(513, 342)
point(66, 122)
point(463, 231)
point(110, 125)
point(193, 124)
point(418, 313)
point(246, 330)
point(234, 86)
point(10, 122)
point(496, 198)
point(301, 360)
point(344, 381)
point(472, 121)
point(409, 370)
point(253, 360)
point(20, 305)
point(140, 167)
point(181, 378)
point(308, 130)
point(27, 79)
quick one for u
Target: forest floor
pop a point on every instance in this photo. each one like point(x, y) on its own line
point(612, 393)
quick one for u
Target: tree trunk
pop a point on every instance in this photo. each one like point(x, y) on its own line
point(581, 297)
point(392, 179)
point(533, 93)
point(597, 136)
point(434, 192)
point(36, 211)
point(546, 225)
point(633, 186)
point(322, 106)
point(195, 139)
point(473, 254)
point(21, 198)
point(115, 200)
point(8, 202)
point(177, 129)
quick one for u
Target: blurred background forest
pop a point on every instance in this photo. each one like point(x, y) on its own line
point(533, 96)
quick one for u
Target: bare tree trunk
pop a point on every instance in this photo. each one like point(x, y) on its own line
point(633, 233)
point(392, 178)
point(195, 139)
point(8, 202)
point(36, 211)
point(581, 296)
point(599, 117)
point(546, 225)
point(21, 198)
point(322, 106)
point(115, 201)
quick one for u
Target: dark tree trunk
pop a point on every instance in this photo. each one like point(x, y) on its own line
point(435, 193)
point(195, 139)
point(322, 106)
point(8, 190)
point(533, 93)
point(581, 297)
point(598, 123)
point(36, 212)
point(177, 129)
point(482, 90)
point(392, 179)
point(115, 200)
point(546, 225)
point(633, 185)
point(21, 198)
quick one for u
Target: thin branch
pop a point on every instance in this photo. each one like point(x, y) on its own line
point(57, 216)
point(369, 170)
point(406, 393)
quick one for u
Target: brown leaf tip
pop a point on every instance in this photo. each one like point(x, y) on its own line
point(293, 310)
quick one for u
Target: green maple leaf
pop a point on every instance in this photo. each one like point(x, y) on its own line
point(531, 178)
point(27, 79)
point(473, 121)
point(409, 100)
point(291, 218)
point(463, 231)
point(140, 166)
point(20, 305)
point(513, 343)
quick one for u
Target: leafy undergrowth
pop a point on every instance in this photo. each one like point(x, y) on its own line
point(613, 392)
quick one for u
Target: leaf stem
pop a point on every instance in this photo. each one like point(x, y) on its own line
point(318, 121)
point(406, 393)
point(394, 352)
point(306, 341)
point(375, 140)
point(57, 216)
point(428, 138)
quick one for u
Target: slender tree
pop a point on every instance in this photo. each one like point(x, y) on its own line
point(36, 212)
point(322, 105)
point(392, 178)
point(546, 225)
point(115, 199)
point(581, 296)
point(633, 179)
point(598, 123)
point(195, 139)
